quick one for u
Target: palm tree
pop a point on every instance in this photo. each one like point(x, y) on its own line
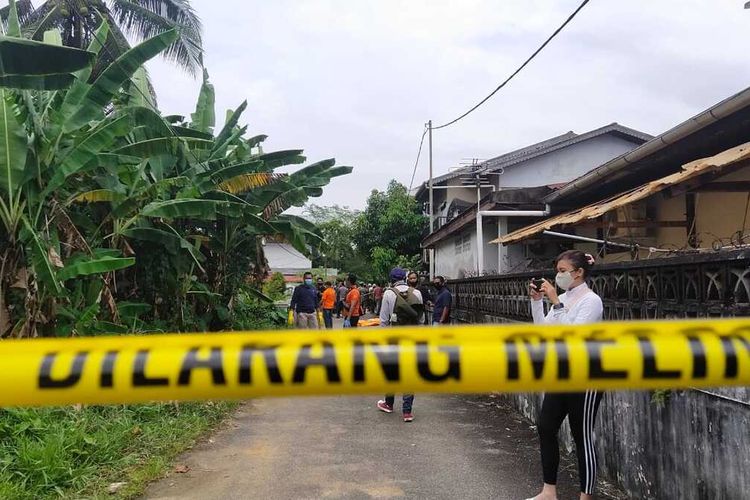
point(77, 21)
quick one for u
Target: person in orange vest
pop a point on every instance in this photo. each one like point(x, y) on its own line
point(328, 303)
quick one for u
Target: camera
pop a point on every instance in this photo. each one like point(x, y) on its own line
point(537, 282)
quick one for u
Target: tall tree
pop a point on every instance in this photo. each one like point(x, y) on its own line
point(78, 20)
point(336, 226)
point(392, 220)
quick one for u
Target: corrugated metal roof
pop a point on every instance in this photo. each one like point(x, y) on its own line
point(637, 160)
point(283, 256)
point(612, 128)
point(538, 149)
point(593, 211)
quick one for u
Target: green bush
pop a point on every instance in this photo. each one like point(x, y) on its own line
point(251, 313)
point(275, 287)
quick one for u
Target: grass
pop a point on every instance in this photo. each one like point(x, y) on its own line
point(68, 452)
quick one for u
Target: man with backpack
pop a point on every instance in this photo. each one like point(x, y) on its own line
point(402, 305)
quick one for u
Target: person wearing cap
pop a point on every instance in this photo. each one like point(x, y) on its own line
point(388, 318)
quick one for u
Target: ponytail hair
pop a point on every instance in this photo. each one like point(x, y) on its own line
point(579, 260)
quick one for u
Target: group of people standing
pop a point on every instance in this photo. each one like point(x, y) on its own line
point(350, 299)
point(403, 303)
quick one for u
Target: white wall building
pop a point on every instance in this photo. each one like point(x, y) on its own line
point(517, 180)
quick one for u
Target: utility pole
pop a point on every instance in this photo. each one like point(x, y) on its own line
point(432, 208)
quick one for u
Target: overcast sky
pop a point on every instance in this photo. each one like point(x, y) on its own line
point(357, 80)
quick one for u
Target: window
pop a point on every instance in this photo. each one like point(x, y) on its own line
point(463, 243)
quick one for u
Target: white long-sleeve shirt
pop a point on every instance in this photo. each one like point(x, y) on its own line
point(389, 302)
point(581, 306)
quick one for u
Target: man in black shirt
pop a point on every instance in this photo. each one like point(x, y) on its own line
point(305, 304)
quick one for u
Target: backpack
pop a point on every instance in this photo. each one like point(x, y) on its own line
point(408, 308)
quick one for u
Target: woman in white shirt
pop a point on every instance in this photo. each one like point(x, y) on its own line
point(578, 305)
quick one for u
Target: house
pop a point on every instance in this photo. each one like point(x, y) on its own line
point(285, 259)
point(670, 221)
point(685, 190)
point(515, 181)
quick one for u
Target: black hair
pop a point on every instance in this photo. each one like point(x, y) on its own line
point(328, 283)
point(352, 279)
point(307, 274)
point(579, 260)
point(440, 279)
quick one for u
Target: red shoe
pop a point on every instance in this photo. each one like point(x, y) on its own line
point(408, 417)
point(385, 407)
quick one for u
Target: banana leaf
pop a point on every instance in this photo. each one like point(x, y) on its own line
point(13, 146)
point(228, 128)
point(108, 84)
point(162, 145)
point(98, 265)
point(40, 258)
point(95, 196)
point(28, 64)
point(100, 139)
point(204, 118)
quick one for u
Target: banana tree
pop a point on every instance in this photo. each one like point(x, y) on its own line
point(53, 131)
point(101, 197)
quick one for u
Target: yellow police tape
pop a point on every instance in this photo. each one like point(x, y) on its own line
point(125, 369)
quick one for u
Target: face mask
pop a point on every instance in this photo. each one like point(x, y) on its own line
point(564, 280)
point(308, 282)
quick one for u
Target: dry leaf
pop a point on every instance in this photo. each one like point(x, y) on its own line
point(115, 487)
point(181, 469)
point(54, 258)
point(5, 323)
point(22, 279)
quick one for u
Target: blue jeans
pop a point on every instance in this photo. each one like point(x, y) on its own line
point(405, 405)
point(328, 317)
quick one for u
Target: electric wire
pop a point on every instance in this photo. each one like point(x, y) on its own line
point(419, 153)
point(526, 62)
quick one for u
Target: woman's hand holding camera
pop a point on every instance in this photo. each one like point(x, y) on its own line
point(538, 289)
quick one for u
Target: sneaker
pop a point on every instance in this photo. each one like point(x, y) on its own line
point(408, 417)
point(383, 406)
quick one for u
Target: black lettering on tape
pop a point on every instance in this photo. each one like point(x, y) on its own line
point(650, 370)
point(46, 381)
point(387, 355)
point(423, 363)
point(596, 370)
point(108, 369)
point(272, 364)
point(698, 350)
point(563, 362)
point(537, 355)
point(730, 357)
point(214, 362)
point(511, 354)
point(306, 360)
point(139, 372)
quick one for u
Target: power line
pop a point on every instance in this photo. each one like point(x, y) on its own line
point(419, 153)
point(537, 51)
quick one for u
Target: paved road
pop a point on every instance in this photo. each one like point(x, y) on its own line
point(458, 447)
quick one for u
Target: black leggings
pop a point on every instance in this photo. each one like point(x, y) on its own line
point(580, 408)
